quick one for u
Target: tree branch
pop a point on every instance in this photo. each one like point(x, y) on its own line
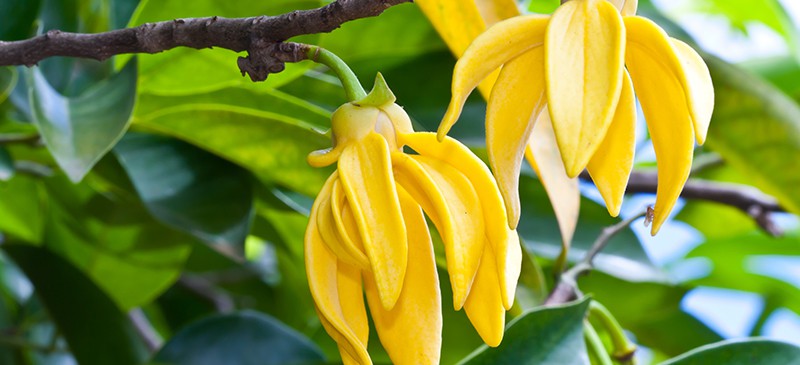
point(749, 200)
point(259, 36)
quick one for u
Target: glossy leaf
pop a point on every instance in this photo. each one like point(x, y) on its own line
point(190, 189)
point(552, 335)
point(79, 131)
point(19, 26)
point(271, 145)
point(243, 338)
point(22, 209)
point(80, 309)
point(741, 352)
point(6, 165)
point(94, 231)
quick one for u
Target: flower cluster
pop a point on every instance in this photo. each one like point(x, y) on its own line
point(367, 231)
point(583, 65)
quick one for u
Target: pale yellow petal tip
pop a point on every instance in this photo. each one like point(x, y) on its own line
point(613, 209)
point(493, 340)
point(323, 158)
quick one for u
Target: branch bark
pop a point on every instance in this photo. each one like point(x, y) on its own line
point(749, 200)
point(259, 36)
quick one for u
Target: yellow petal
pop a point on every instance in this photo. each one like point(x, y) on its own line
point(584, 53)
point(365, 172)
point(656, 73)
point(517, 98)
point(332, 229)
point(411, 332)
point(500, 236)
point(351, 299)
point(611, 165)
point(399, 118)
point(452, 203)
point(490, 50)
point(493, 11)
point(698, 87)
point(484, 306)
point(458, 22)
point(543, 155)
point(323, 281)
point(626, 7)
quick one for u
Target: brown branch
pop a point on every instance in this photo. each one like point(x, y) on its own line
point(259, 36)
point(749, 200)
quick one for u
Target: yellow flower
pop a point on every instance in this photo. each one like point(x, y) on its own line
point(583, 63)
point(367, 224)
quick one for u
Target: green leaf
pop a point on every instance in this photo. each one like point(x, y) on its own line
point(176, 71)
point(740, 13)
point(550, 335)
point(113, 240)
point(543, 6)
point(94, 328)
point(623, 257)
point(242, 338)
point(190, 189)
point(741, 352)
point(657, 319)
point(272, 146)
point(6, 165)
point(783, 72)
point(20, 25)
point(79, 131)
point(21, 209)
point(8, 79)
point(756, 129)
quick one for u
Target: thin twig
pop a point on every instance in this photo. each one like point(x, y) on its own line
point(567, 288)
point(260, 36)
point(205, 290)
point(145, 329)
point(32, 139)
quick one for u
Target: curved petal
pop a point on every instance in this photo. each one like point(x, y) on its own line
point(399, 118)
point(499, 44)
point(517, 98)
point(656, 73)
point(411, 332)
point(626, 7)
point(493, 11)
point(453, 205)
point(500, 236)
point(351, 299)
point(584, 56)
point(611, 165)
point(484, 305)
point(698, 87)
point(542, 154)
point(366, 175)
point(332, 229)
point(324, 283)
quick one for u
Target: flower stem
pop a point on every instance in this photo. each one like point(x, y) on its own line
point(623, 348)
point(595, 345)
point(352, 87)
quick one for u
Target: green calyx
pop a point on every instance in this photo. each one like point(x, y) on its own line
point(380, 94)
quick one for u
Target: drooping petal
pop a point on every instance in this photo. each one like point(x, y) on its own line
point(542, 153)
point(484, 305)
point(493, 11)
point(698, 87)
point(453, 205)
point(498, 45)
point(611, 165)
point(351, 298)
point(323, 281)
point(411, 332)
point(656, 74)
point(366, 175)
point(458, 23)
point(518, 97)
point(626, 7)
point(500, 236)
point(584, 55)
point(332, 229)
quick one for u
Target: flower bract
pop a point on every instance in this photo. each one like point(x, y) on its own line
point(367, 232)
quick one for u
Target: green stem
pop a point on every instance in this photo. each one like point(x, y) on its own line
point(595, 345)
point(623, 348)
point(352, 87)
